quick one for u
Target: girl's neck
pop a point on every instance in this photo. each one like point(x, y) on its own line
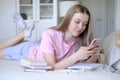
point(68, 38)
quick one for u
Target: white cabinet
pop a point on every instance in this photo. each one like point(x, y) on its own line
point(43, 12)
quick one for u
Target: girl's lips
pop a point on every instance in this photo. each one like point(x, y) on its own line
point(79, 31)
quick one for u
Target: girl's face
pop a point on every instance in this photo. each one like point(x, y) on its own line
point(78, 24)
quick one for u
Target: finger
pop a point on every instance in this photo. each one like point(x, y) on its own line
point(97, 54)
point(96, 49)
point(92, 47)
point(91, 52)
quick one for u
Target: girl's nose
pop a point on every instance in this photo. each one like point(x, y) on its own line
point(80, 25)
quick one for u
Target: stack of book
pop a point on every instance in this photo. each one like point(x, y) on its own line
point(34, 65)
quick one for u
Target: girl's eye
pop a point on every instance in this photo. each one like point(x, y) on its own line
point(84, 24)
point(77, 22)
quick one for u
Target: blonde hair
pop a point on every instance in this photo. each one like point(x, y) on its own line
point(84, 38)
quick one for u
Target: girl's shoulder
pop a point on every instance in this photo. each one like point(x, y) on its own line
point(52, 32)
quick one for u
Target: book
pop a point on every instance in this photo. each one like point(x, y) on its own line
point(35, 64)
point(34, 70)
point(87, 66)
point(32, 62)
point(40, 67)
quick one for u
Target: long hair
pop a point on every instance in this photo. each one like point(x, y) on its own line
point(84, 38)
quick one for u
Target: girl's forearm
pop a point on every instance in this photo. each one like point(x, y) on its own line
point(66, 62)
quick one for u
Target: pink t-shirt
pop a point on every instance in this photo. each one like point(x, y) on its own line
point(52, 43)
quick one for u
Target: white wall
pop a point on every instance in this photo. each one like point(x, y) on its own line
point(110, 16)
point(117, 15)
point(7, 27)
point(98, 9)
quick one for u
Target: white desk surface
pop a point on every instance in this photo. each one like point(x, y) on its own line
point(12, 70)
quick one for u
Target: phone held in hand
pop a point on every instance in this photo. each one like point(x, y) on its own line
point(95, 41)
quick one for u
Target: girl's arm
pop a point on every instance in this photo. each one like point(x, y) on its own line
point(80, 55)
point(50, 59)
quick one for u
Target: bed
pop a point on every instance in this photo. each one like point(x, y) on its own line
point(12, 70)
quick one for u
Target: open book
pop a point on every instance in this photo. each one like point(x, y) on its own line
point(88, 66)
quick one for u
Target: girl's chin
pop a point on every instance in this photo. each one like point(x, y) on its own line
point(76, 35)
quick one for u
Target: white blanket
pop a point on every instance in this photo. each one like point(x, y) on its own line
point(113, 57)
point(12, 70)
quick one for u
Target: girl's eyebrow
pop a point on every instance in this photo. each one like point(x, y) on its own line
point(77, 19)
point(80, 20)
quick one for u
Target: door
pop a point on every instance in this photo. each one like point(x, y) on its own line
point(111, 16)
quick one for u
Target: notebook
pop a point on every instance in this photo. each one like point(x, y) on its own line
point(88, 66)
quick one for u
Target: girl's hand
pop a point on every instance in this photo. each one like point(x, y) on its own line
point(84, 52)
point(97, 45)
point(93, 59)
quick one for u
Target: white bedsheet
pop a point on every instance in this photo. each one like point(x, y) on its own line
point(12, 70)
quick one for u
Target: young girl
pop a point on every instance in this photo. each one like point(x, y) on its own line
point(61, 46)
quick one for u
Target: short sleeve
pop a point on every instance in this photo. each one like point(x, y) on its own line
point(47, 40)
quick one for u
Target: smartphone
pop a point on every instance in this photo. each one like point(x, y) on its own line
point(95, 41)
